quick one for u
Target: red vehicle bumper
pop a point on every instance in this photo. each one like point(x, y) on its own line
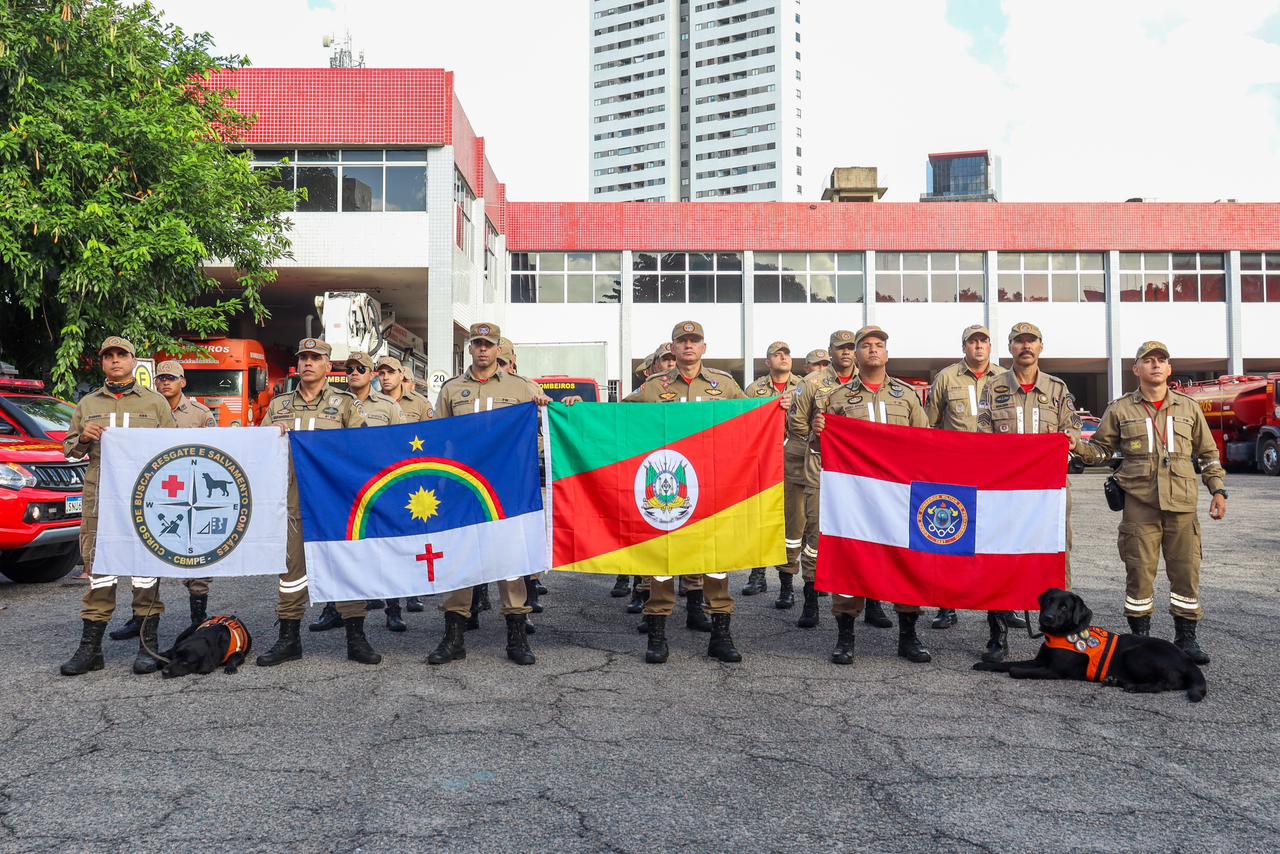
point(37, 520)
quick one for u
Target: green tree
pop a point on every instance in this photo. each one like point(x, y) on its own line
point(119, 178)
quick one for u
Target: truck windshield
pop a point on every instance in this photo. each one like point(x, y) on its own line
point(214, 383)
point(558, 389)
point(49, 413)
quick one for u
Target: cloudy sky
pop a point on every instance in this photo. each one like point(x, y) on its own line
point(1095, 100)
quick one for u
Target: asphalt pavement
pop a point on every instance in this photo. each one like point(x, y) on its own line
point(591, 749)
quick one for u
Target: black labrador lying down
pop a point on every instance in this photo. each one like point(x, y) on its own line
point(220, 641)
point(1073, 649)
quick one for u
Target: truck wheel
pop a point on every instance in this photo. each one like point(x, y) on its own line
point(39, 571)
point(1269, 457)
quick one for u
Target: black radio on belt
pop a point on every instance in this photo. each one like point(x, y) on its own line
point(1115, 495)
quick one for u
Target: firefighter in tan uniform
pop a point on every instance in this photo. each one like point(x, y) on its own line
point(689, 381)
point(1025, 399)
point(816, 360)
point(533, 587)
point(313, 405)
point(873, 395)
point(819, 383)
point(395, 385)
point(1161, 435)
point(780, 384)
point(953, 405)
point(483, 387)
point(121, 402)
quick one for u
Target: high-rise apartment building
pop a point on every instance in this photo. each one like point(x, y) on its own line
point(696, 100)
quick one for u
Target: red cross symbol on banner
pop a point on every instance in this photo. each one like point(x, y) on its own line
point(173, 486)
point(430, 557)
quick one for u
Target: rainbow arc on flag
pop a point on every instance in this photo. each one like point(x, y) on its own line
point(666, 489)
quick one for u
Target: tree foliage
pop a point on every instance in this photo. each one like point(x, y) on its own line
point(117, 183)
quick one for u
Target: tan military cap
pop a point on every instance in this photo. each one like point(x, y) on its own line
point(975, 329)
point(870, 332)
point(361, 359)
point(314, 345)
point(485, 332)
point(390, 362)
point(506, 350)
point(841, 338)
point(687, 327)
point(816, 356)
point(1024, 329)
point(117, 343)
point(645, 365)
point(776, 346)
point(663, 351)
point(174, 369)
point(1146, 348)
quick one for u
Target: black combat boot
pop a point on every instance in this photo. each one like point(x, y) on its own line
point(621, 586)
point(843, 653)
point(518, 640)
point(148, 647)
point(656, 652)
point(909, 646)
point(199, 608)
point(809, 613)
point(786, 593)
point(1140, 625)
point(128, 630)
point(875, 615)
point(944, 619)
point(531, 594)
point(542, 588)
point(288, 646)
point(374, 605)
point(452, 647)
point(358, 647)
point(1184, 638)
point(998, 641)
point(1012, 620)
point(695, 618)
point(482, 597)
point(756, 583)
point(638, 598)
point(473, 621)
point(329, 619)
point(721, 645)
point(413, 604)
point(395, 622)
point(88, 655)
point(643, 626)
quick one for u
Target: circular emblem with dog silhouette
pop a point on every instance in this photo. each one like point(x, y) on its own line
point(191, 505)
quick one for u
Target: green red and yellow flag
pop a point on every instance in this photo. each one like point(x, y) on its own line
point(662, 489)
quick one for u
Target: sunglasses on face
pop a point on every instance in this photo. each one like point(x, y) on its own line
point(166, 378)
point(356, 369)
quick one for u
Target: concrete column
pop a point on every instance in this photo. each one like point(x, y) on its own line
point(990, 293)
point(869, 286)
point(1115, 364)
point(1235, 345)
point(626, 377)
point(441, 248)
point(748, 316)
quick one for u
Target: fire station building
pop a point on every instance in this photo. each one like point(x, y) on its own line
point(403, 203)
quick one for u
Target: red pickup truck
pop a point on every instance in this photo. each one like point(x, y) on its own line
point(41, 499)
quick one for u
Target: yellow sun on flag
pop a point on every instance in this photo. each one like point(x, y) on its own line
point(423, 504)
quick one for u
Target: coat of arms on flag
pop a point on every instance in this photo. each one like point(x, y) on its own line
point(421, 508)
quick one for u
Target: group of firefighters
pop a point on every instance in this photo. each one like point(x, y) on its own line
point(1160, 436)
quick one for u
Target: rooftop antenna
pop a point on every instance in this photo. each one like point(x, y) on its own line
point(343, 55)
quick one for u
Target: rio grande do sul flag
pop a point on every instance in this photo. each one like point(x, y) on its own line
point(941, 518)
point(666, 489)
point(421, 508)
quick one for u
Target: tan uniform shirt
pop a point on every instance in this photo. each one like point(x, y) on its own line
point(1158, 451)
point(817, 384)
point(894, 402)
point(381, 410)
point(955, 395)
point(464, 394)
point(793, 450)
point(145, 408)
point(671, 387)
point(1047, 408)
point(193, 413)
point(333, 409)
point(416, 407)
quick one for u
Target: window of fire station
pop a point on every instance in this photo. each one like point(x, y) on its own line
point(1173, 277)
point(559, 277)
point(356, 180)
point(809, 277)
point(930, 276)
point(670, 277)
point(1260, 277)
point(1050, 277)
point(464, 203)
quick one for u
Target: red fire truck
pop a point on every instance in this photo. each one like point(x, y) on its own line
point(236, 379)
point(1244, 415)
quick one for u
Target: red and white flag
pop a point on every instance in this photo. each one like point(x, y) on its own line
point(942, 518)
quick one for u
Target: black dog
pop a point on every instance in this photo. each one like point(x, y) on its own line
point(220, 641)
point(1073, 649)
point(210, 484)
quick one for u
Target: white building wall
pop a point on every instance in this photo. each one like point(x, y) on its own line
point(396, 239)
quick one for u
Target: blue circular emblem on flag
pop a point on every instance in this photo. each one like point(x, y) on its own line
point(942, 519)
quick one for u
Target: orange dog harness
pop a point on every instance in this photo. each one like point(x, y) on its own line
point(239, 634)
point(1099, 645)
